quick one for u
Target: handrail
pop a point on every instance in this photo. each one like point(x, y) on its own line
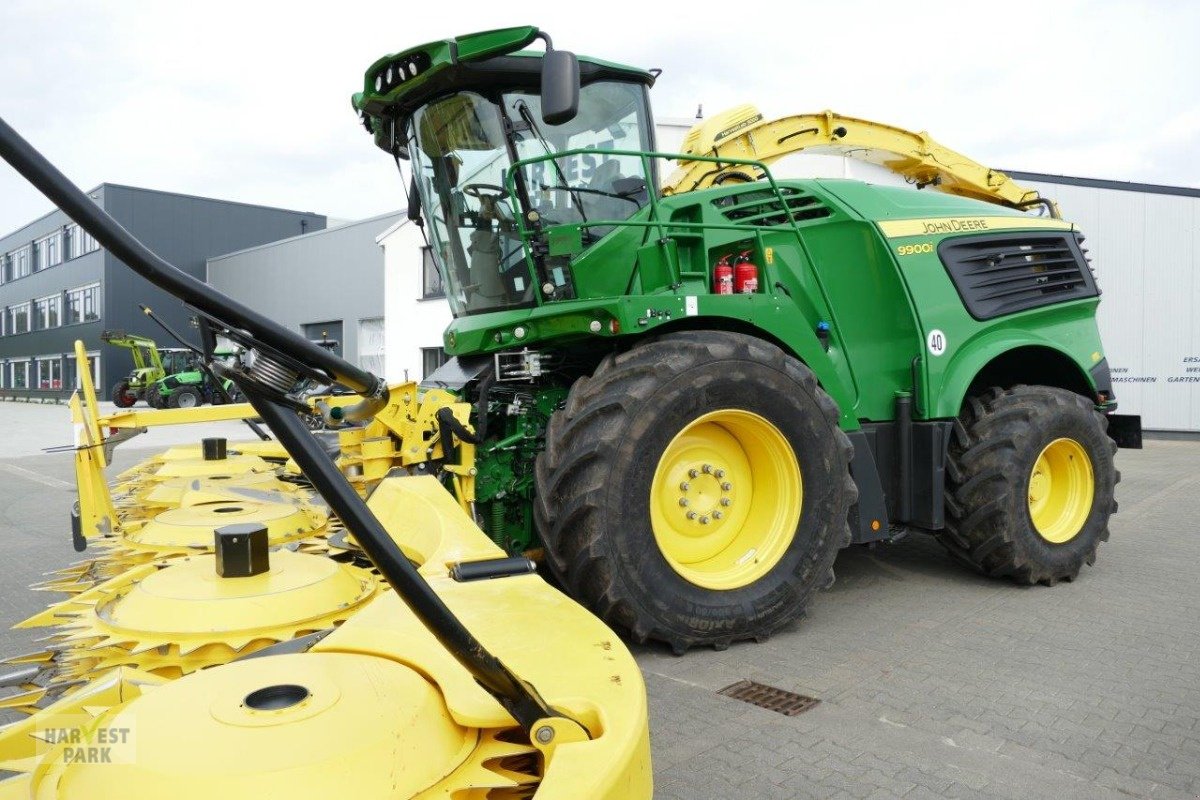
point(654, 221)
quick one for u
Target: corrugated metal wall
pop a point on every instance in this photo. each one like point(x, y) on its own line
point(1145, 249)
point(328, 277)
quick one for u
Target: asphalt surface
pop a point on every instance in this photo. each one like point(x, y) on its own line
point(932, 681)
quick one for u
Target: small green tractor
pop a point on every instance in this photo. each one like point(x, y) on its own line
point(151, 364)
point(691, 394)
point(189, 387)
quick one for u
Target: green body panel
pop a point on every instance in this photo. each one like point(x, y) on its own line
point(839, 269)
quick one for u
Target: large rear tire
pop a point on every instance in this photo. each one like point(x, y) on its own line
point(1030, 482)
point(122, 396)
point(695, 489)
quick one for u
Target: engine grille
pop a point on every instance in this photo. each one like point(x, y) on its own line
point(763, 208)
point(1005, 274)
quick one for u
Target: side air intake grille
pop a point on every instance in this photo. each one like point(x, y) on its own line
point(763, 207)
point(1001, 275)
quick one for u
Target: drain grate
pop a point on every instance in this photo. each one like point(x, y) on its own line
point(758, 694)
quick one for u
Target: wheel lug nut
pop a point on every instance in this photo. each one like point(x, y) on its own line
point(683, 501)
point(720, 473)
point(707, 468)
point(691, 515)
point(693, 473)
point(704, 520)
point(725, 501)
point(727, 486)
point(717, 515)
point(683, 487)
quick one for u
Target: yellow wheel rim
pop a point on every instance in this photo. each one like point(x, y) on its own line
point(725, 501)
point(1061, 489)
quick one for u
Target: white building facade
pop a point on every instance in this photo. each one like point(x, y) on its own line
point(414, 305)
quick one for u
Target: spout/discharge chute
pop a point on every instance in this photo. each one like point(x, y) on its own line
point(743, 133)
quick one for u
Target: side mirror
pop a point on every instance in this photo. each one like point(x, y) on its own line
point(560, 87)
point(414, 201)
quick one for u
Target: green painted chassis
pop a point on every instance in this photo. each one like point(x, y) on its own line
point(652, 273)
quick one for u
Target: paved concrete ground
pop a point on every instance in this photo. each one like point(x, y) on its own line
point(933, 682)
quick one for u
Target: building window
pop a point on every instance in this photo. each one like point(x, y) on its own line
point(17, 263)
point(47, 312)
point(70, 379)
point(49, 372)
point(431, 359)
point(47, 251)
point(79, 242)
point(83, 304)
point(17, 319)
point(71, 373)
point(370, 345)
point(431, 279)
point(19, 375)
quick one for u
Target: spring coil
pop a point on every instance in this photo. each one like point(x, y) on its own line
point(272, 373)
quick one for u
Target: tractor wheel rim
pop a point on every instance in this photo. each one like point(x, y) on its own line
point(1062, 487)
point(187, 401)
point(726, 498)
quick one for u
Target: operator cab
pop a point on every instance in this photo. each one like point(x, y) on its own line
point(466, 111)
point(463, 148)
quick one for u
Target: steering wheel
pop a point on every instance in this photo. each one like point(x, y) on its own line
point(491, 201)
point(476, 190)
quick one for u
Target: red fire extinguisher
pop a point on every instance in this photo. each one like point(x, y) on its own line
point(745, 278)
point(723, 277)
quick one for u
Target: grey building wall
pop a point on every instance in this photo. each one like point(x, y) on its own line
point(334, 275)
point(183, 229)
point(69, 274)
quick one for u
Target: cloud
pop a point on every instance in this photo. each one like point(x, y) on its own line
point(250, 101)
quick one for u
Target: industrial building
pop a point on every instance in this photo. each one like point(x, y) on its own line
point(57, 285)
point(327, 284)
point(416, 310)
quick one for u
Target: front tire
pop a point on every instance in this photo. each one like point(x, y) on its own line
point(742, 433)
point(1030, 484)
point(122, 396)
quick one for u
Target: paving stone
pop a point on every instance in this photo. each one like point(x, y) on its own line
point(933, 681)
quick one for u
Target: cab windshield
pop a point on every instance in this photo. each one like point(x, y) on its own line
point(462, 159)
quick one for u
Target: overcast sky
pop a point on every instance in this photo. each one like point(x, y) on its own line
point(250, 101)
